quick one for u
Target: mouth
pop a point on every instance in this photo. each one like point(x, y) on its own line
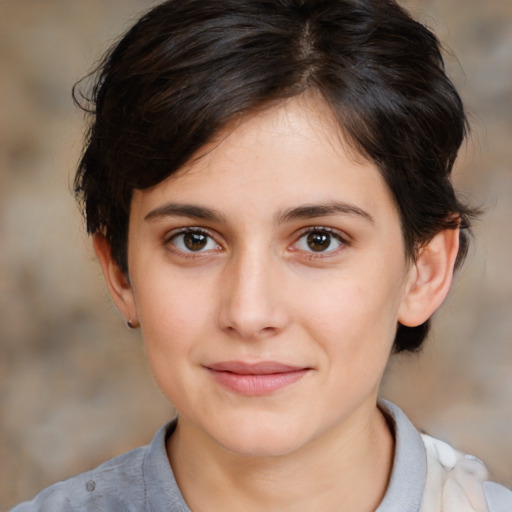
point(256, 379)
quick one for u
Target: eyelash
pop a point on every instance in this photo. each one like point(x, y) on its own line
point(303, 233)
point(322, 230)
point(188, 231)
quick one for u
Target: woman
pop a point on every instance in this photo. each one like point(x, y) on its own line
point(268, 189)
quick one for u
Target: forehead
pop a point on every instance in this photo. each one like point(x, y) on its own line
point(299, 121)
point(285, 156)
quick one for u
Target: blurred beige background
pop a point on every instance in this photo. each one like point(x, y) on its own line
point(74, 385)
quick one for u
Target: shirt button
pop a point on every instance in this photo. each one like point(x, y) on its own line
point(90, 485)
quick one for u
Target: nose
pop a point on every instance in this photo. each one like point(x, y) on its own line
point(252, 304)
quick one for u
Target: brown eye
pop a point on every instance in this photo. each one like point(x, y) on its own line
point(193, 241)
point(319, 241)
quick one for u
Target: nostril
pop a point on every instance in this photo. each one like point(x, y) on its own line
point(250, 332)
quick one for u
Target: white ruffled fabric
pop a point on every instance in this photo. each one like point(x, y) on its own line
point(455, 482)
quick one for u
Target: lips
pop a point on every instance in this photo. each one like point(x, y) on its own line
point(255, 379)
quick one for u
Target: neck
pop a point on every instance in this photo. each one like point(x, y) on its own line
point(342, 470)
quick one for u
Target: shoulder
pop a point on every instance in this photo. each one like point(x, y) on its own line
point(456, 482)
point(138, 480)
point(115, 485)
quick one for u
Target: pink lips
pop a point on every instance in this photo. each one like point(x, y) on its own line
point(255, 379)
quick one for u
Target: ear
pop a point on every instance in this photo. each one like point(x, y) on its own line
point(117, 281)
point(429, 278)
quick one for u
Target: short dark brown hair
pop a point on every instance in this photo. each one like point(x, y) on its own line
point(189, 67)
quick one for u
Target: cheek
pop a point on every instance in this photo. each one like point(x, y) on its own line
point(173, 318)
point(353, 318)
point(172, 313)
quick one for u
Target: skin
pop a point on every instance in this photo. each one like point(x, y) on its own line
point(260, 290)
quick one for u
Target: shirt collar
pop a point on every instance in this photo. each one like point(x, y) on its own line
point(160, 484)
point(404, 492)
point(407, 482)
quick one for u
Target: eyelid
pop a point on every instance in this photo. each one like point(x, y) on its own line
point(169, 236)
point(186, 229)
point(342, 237)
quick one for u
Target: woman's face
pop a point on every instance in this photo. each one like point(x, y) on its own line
point(268, 277)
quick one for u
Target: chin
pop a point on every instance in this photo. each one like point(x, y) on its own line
point(260, 439)
point(260, 447)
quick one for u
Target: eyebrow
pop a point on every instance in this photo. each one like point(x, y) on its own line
point(185, 210)
point(307, 211)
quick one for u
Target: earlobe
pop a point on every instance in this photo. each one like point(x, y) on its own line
point(117, 281)
point(429, 278)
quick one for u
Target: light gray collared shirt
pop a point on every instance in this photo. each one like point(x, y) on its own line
point(143, 481)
